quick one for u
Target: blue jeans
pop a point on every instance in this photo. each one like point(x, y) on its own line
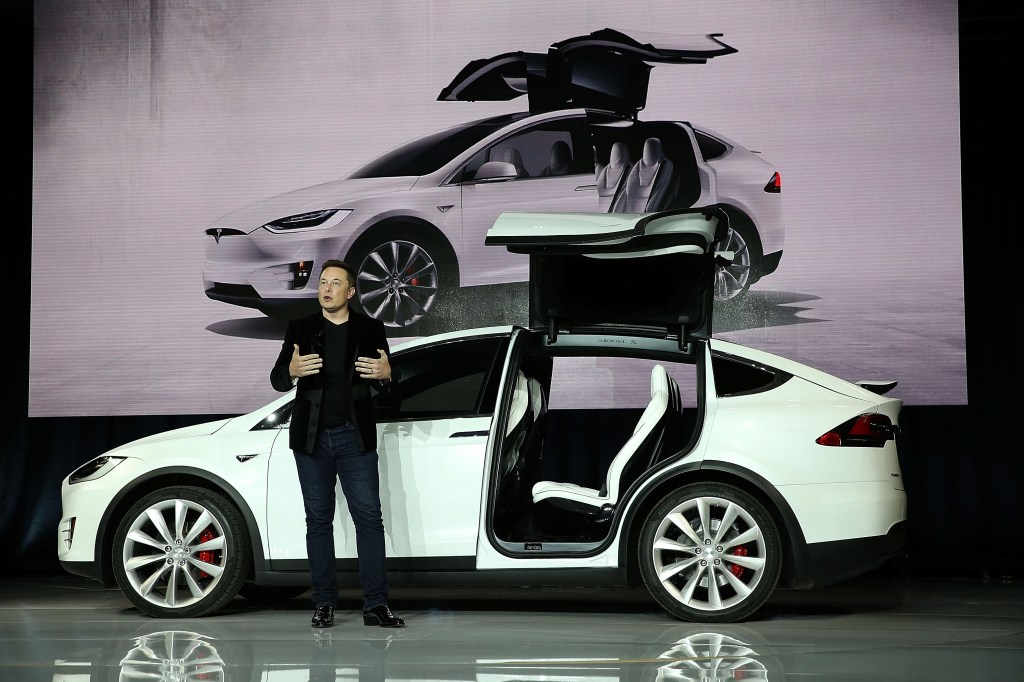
point(336, 455)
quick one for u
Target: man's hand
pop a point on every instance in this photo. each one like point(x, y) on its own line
point(305, 365)
point(374, 368)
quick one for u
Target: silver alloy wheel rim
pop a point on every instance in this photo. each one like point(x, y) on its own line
point(397, 283)
point(731, 280)
point(696, 558)
point(161, 553)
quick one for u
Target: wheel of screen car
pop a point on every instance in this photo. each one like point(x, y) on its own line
point(710, 553)
point(180, 552)
point(732, 281)
point(402, 276)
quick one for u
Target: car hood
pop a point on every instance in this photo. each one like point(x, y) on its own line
point(204, 429)
point(334, 194)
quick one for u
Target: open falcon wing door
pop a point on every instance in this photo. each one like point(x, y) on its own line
point(602, 71)
point(618, 274)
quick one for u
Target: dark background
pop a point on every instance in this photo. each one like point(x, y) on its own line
point(963, 465)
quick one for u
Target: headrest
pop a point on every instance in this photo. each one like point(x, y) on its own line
point(561, 155)
point(620, 155)
point(653, 152)
point(659, 380)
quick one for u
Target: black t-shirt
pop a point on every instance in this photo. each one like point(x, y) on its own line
point(335, 409)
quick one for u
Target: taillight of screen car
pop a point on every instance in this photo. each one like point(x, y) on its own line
point(94, 468)
point(774, 185)
point(865, 431)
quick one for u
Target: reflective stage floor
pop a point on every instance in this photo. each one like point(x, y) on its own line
point(883, 626)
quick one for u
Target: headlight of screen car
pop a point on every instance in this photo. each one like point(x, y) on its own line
point(313, 220)
point(95, 468)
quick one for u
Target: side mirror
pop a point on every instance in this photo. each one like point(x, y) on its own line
point(495, 171)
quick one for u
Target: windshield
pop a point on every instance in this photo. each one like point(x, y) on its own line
point(426, 154)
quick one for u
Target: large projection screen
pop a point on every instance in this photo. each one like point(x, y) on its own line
point(152, 120)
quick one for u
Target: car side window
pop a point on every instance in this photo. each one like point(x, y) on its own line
point(735, 377)
point(550, 149)
point(454, 379)
point(710, 148)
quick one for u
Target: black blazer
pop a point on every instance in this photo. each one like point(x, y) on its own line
point(365, 336)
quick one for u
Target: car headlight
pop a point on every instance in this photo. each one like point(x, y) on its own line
point(313, 220)
point(94, 468)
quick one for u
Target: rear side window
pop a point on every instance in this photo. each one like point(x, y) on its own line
point(456, 379)
point(710, 148)
point(734, 377)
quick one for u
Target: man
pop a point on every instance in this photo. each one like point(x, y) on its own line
point(333, 356)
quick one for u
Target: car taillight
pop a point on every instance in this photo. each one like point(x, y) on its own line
point(775, 184)
point(865, 431)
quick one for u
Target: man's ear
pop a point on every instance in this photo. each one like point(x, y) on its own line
point(351, 292)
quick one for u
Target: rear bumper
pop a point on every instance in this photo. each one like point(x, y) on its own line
point(769, 263)
point(830, 562)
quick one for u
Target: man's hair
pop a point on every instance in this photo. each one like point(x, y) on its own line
point(336, 263)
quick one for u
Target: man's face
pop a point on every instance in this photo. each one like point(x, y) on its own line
point(335, 289)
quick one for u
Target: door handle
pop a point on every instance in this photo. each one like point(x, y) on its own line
point(468, 434)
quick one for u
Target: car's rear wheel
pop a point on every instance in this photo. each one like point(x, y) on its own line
point(710, 553)
point(732, 281)
point(180, 552)
point(401, 274)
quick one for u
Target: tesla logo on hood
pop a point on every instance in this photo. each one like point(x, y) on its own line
point(216, 235)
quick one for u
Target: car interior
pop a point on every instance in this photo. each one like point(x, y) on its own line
point(562, 472)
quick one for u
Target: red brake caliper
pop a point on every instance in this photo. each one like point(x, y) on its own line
point(206, 555)
point(736, 569)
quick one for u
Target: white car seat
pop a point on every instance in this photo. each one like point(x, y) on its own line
point(649, 185)
point(516, 428)
point(640, 450)
point(611, 175)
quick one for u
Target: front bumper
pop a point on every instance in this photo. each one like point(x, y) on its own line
point(80, 533)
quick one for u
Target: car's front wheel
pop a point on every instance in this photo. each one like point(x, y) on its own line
point(710, 553)
point(401, 275)
point(180, 552)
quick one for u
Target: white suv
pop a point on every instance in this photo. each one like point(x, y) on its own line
point(612, 440)
point(412, 221)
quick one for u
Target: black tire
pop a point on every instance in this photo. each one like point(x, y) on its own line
point(733, 281)
point(402, 273)
point(202, 535)
point(744, 558)
point(271, 594)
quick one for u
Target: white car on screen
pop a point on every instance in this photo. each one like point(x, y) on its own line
point(611, 440)
point(412, 222)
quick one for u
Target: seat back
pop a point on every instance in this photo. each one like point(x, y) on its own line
point(650, 183)
point(610, 176)
point(643, 446)
point(560, 159)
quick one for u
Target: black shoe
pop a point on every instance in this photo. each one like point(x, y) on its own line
point(323, 616)
point(382, 616)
